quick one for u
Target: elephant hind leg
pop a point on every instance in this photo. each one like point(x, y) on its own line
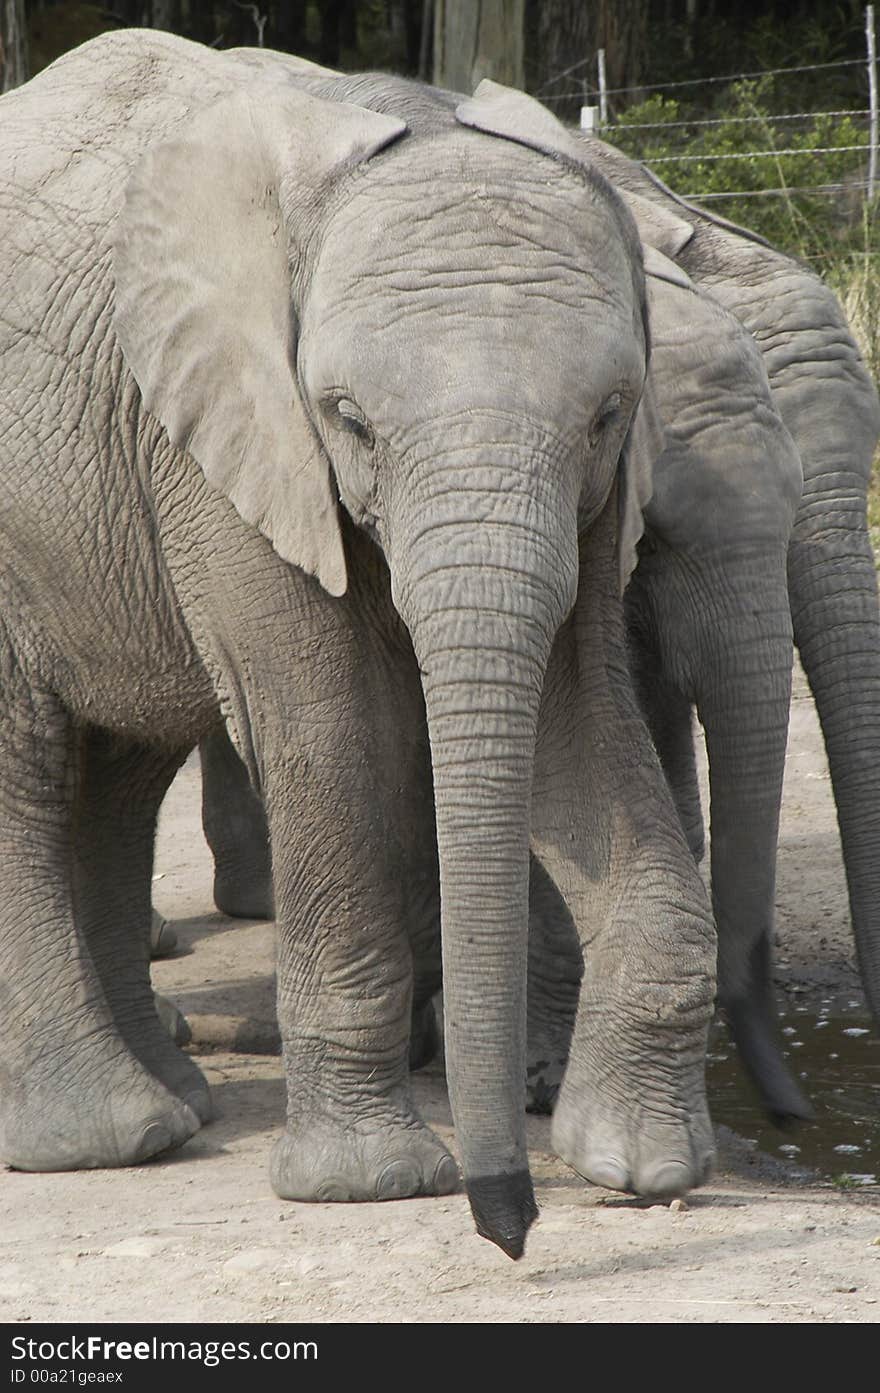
point(72, 1095)
point(121, 788)
point(235, 829)
point(556, 966)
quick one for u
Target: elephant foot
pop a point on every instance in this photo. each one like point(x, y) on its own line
point(333, 1163)
point(627, 1146)
point(173, 1020)
point(163, 939)
point(424, 1037)
point(87, 1116)
point(244, 895)
point(152, 1045)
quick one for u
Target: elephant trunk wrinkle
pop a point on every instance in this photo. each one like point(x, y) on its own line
point(482, 636)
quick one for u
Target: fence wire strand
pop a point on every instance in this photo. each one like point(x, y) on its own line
point(693, 81)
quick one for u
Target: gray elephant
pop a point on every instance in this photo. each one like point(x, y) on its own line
point(229, 307)
point(829, 404)
point(711, 613)
point(726, 489)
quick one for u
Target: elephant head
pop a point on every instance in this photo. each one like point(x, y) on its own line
point(447, 336)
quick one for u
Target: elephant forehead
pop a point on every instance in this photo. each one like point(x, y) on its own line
point(442, 224)
point(485, 288)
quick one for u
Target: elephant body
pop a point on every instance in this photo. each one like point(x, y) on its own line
point(829, 404)
point(756, 535)
point(288, 433)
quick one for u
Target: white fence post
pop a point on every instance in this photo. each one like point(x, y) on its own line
point(872, 88)
point(603, 89)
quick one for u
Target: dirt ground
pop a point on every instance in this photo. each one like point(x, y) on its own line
point(199, 1236)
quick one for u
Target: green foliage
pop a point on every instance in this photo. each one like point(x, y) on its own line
point(774, 162)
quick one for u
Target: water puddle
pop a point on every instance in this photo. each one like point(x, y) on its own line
point(835, 1054)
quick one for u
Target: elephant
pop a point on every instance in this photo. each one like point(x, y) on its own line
point(325, 418)
point(726, 489)
point(727, 626)
point(829, 404)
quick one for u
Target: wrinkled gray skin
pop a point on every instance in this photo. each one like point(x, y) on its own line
point(726, 490)
point(223, 300)
point(829, 404)
point(709, 610)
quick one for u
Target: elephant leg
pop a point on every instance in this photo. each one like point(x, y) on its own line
point(163, 939)
point(344, 990)
point(121, 788)
point(234, 823)
point(556, 966)
point(422, 890)
point(73, 1094)
point(669, 717)
point(235, 828)
point(631, 1112)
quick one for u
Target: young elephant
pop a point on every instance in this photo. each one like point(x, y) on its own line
point(828, 402)
point(709, 625)
point(226, 301)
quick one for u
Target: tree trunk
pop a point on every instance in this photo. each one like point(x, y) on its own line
point(563, 38)
point(474, 39)
point(13, 45)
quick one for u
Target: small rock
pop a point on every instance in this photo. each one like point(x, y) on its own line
point(253, 1260)
point(678, 1206)
point(142, 1247)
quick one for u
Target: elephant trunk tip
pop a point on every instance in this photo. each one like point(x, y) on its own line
point(504, 1209)
point(783, 1101)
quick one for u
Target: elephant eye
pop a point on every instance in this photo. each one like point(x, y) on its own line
point(609, 412)
point(349, 417)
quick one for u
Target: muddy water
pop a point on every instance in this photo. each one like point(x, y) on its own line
point(836, 1056)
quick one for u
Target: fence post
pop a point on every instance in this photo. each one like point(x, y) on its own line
point(872, 88)
point(603, 89)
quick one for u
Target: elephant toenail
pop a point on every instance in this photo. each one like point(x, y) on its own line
point(155, 1139)
point(447, 1178)
point(667, 1180)
point(398, 1181)
point(199, 1102)
point(334, 1190)
point(610, 1173)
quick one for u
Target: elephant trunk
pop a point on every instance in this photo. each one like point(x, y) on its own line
point(725, 643)
point(833, 585)
point(743, 694)
point(483, 602)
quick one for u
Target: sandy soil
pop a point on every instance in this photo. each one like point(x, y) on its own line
point(200, 1236)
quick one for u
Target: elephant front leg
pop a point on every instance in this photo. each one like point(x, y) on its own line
point(121, 788)
point(344, 983)
point(72, 1094)
point(631, 1112)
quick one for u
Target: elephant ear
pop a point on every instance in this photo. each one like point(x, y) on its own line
point(704, 213)
point(658, 227)
point(511, 114)
point(662, 269)
point(506, 112)
point(643, 445)
point(202, 258)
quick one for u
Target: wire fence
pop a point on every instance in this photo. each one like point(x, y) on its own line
point(682, 141)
